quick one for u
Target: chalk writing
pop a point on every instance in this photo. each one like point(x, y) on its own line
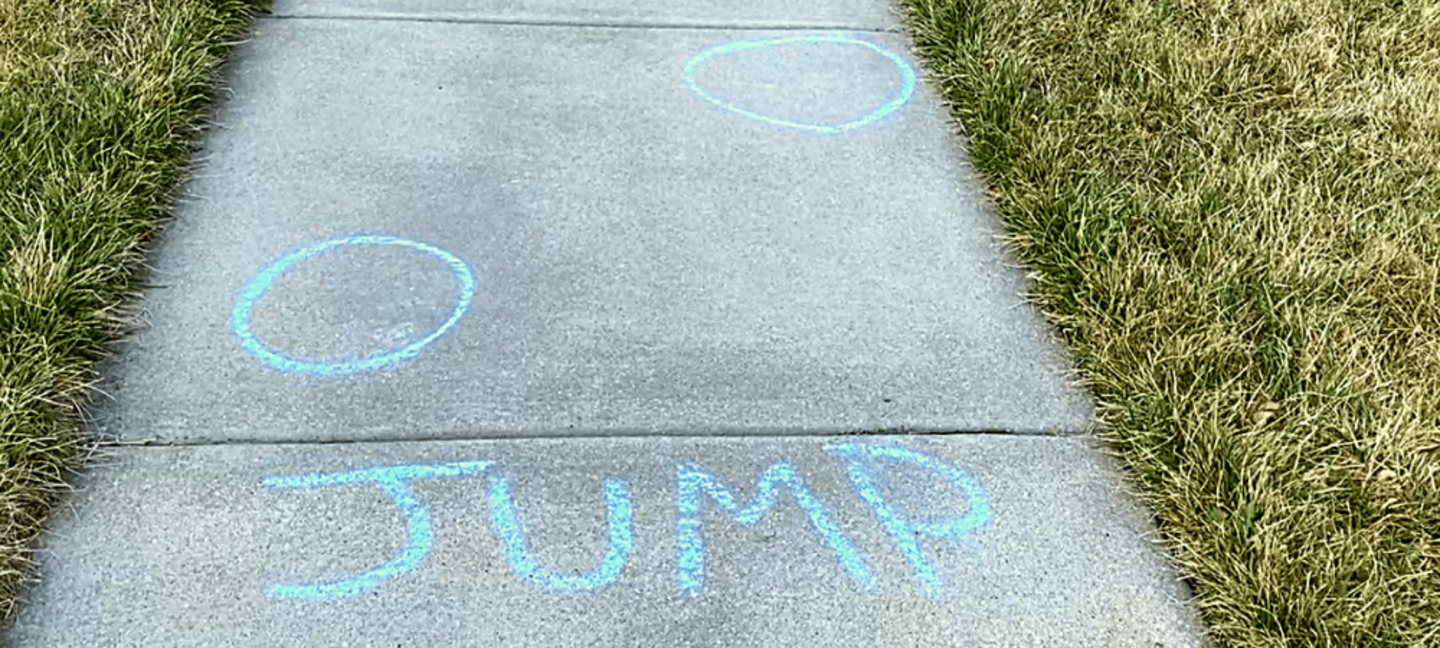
point(240, 315)
point(691, 483)
point(907, 80)
point(858, 459)
point(508, 529)
point(417, 522)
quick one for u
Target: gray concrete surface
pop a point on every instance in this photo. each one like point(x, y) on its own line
point(821, 14)
point(483, 324)
point(177, 547)
point(644, 261)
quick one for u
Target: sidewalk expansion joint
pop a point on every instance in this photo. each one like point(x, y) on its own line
point(572, 436)
point(596, 24)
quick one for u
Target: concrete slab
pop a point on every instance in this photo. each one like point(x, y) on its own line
point(826, 14)
point(1014, 541)
point(590, 231)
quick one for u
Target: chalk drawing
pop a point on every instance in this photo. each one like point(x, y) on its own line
point(863, 464)
point(692, 483)
point(508, 529)
point(392, 480)
point(858, 459)
point(907, 80)
point(240, 316)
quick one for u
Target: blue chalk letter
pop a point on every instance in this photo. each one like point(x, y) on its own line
point(507, 529)
point(858, 462)
point(417, 522)
point(691, 482)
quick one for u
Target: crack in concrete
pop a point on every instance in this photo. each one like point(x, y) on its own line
point(600, 24)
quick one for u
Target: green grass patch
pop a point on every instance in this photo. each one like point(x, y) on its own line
point(1231, 209)
point(100, 103)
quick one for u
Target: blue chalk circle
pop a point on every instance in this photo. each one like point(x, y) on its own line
point(240, 315)
point(508, 530)
point(860, 463)
point(692, 484)
point(392, 480)
point(907, 82)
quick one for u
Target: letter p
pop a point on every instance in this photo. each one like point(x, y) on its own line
point(859, 459)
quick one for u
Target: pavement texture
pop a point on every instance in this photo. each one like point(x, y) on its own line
point(188, 546)
point(641, 259)
point(778, 14)
point(488, 324)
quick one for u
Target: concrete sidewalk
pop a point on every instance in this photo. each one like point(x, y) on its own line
point(484, 324)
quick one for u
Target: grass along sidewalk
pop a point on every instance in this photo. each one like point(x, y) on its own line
point(99, 103)
point(1231, 209)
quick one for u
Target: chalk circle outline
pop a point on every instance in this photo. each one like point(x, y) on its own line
point(240, 315)
point(907, 83)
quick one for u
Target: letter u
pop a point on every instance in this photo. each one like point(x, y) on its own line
point(509, 532)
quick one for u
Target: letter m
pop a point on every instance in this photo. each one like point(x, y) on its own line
point(692, 484)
